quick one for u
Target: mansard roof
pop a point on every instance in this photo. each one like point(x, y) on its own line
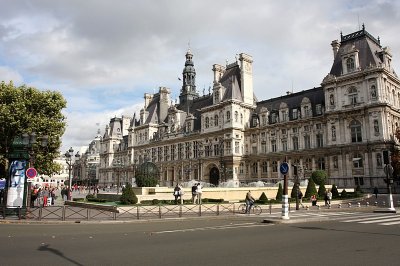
point(368, 49)
point(231, 81)
point(293, 100)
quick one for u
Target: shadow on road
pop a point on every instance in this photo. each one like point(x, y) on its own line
point(342, 230)
point(58, 253)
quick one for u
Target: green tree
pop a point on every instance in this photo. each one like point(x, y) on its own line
point(25, 110)
point(319, 177)
point(293, 194)
point(263, 198)
point(128, 195)
point(335, 192)
point(146, 181)
point(279, 193)
point(311, 189)
point(321, 190)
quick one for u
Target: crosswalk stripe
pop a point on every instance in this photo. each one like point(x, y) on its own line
point(363, 218)
point(381, 220)
point(391, 223)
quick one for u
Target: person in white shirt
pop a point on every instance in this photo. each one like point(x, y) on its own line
point(199, 192)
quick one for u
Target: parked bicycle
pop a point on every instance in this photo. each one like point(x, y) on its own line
point(254, 209)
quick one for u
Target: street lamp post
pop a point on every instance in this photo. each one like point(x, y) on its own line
point(68, 159)
point(118, 164)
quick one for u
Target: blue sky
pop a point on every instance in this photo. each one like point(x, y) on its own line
point(104, 55)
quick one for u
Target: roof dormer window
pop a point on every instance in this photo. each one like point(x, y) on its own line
point(350, 64)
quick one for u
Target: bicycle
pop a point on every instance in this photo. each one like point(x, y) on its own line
point(254, 209)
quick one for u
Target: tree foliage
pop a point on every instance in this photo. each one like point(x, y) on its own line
point(128, 196)
point(311, 188)
point(279, 193)
point(319, 177)
point(146, 181)
point(26, 110)
point(335, 192)
point(263, 198)
point(321, 190)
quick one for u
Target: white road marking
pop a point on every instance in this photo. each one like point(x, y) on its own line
point(220, 227)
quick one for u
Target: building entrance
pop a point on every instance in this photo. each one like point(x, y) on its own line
point(214, 176)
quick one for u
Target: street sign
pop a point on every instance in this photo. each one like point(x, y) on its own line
point(284, 168)
point(31, 173)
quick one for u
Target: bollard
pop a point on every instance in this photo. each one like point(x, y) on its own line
point(339, 205)
point(307, 208)
point(349, 205)
point(383, 203)
point(376, 203)
point(358, 204)
point(318, 207)
point(367, 204)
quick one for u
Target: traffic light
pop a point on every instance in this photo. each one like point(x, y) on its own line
point(386, 157)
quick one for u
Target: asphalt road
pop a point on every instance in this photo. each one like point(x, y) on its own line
point(201, 241)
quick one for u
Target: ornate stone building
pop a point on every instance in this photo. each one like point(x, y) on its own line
point(226, 135)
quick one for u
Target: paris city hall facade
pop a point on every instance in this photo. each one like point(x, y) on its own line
point(226, 136)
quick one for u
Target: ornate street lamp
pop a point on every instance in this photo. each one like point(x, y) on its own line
point(119, 165)
point(68, 158)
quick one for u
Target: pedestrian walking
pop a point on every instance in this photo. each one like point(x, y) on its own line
point(199, 192)
point(194, 193)
point(376, 192)
point(177, 193)
point(326, 198)
point(46, 195)
point(329, 197)
point(300, 196)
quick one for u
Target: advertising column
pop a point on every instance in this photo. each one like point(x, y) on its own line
point(16, 185)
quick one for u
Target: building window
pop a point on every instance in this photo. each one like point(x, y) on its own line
point(207, 122)
point(284, 145)
point(216, 120)
point(306, 111)
point(255, 168)
point(264, 167)
point(320, 140)
point(353, 95)
point(273, 118)
point(263, 147)
point(274, 166)
point(264, 120)
point(357, 161)
point(216, 149)
point(321, 163)
point(228, 116)
point(294, 113)
point(180, 151)
point(216, 96)
point(355, 129)
point(333, 133)
point(318, 109)
point(254, 149)
point(236, 116)
point(376, 127)
point(255, 121)
point(236, 147)
point(273, 145)
point(295, 143)
point(241, 118)
point(307, 142)
point(172, 152)
point(241, 168)
point(284, 116)
point(350, 64)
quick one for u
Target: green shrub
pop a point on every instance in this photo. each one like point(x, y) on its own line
point(263, 199)
point(90, 196)
point(146, 181)
point(78, 199)
point(128, 196)
point(319, 177)
point(155, 202)
point(279, 193)
point(293, 193)
point(311, 189)
point(335, 192)
point(358, 189)
point(344, 194)
point(321, 191)
point(96, 200)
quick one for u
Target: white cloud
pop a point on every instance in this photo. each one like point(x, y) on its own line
point(104, 55)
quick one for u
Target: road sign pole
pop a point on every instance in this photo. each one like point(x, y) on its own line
point(284, 169)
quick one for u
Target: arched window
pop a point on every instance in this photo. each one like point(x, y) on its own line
point(350, 64)
point(255, 168)
point(355, 129)
point(207, 122)
point(216, 120)
point(228, 116)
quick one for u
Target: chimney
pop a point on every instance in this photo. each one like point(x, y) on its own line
point(335, 46)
